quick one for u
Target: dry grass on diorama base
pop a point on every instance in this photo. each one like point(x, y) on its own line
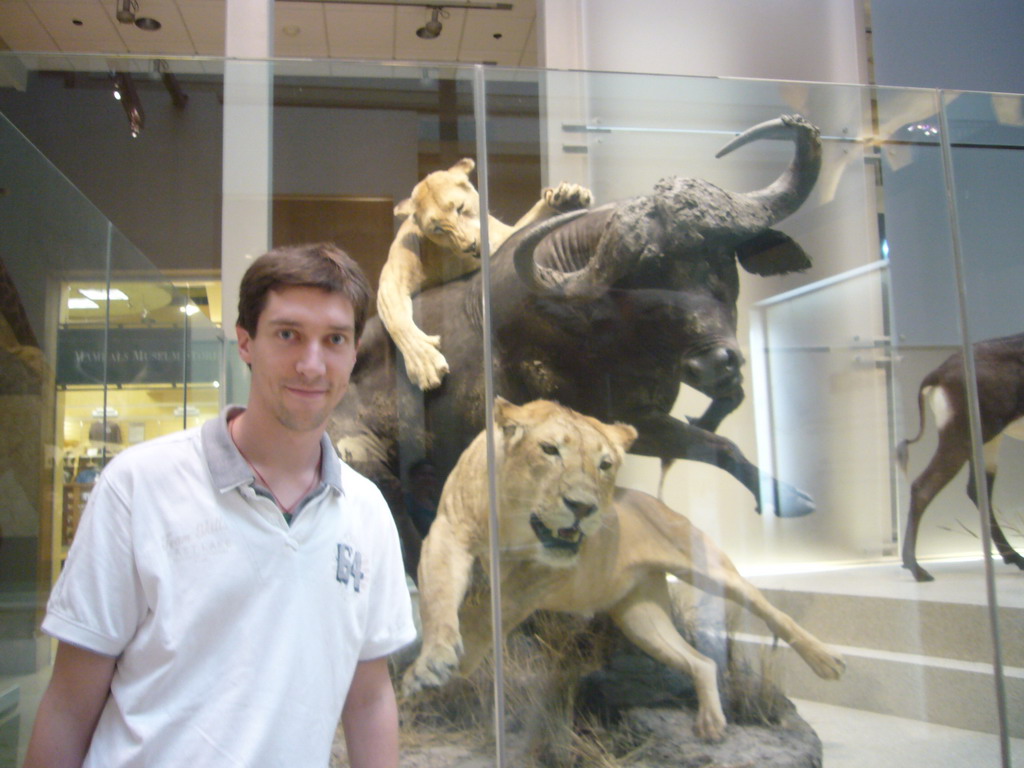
point(556, 718)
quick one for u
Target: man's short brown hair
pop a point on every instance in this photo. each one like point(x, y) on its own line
point(314, 265)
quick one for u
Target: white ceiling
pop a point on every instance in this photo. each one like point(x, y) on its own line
point(318, 30)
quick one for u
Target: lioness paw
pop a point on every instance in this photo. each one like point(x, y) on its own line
point(432, 669)
point(826, 664)
point(427, 374)
point(567, 197)
point(424, 364)
point(710, 724)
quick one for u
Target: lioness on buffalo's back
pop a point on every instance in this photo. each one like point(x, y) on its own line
point(440, 240)
point(571, 541)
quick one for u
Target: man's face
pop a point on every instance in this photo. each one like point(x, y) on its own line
point(301, 356)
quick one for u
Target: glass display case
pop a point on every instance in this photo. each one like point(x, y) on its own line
point(101, 351)
point(764, 329)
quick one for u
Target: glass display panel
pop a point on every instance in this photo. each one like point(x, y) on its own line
point(47, 230)
point(397, 425)
point(987, 152)
point(102, 351)
point(833, 331)
point(986, 157)
point(831, 357)
point(830, 352)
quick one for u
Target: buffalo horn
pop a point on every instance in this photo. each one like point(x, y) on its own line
point(588, 281)
point(788, 192)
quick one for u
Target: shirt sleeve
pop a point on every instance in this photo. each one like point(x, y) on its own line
point(390, 626)
point(98, 601)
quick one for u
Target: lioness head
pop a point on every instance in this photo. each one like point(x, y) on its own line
point(556, 477)
point(446, 208)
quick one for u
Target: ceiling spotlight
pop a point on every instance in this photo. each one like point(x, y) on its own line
point(124, 91)
point(432, 28)
point(178, 97)
point(126, 11)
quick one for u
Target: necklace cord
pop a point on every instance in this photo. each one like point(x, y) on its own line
point(288, 511)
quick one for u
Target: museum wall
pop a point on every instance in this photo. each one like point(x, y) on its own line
point(329, 151)
point(162, 190)
point(965, 46)
point(783, 40)
point(959, 49)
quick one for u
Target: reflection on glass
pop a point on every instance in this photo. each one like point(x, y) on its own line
point(109, 352)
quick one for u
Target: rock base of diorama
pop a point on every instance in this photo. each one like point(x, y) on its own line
point(645, 709)
point(669, 742)
point(665, 738)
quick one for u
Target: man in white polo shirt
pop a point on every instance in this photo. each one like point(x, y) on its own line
point(235, 589)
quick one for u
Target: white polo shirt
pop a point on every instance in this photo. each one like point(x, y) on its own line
point(236, 634)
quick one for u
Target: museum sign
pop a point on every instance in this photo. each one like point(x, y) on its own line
point(118, 356)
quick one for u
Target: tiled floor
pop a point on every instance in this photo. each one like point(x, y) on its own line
point(856, 739)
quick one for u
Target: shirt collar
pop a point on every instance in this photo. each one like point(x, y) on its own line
point(229, 470)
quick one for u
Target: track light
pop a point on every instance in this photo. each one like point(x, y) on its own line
point(124, 92)
point(126, 10)
point(432, 28)
point(178, 97)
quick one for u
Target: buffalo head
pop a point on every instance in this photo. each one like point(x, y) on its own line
point(686, 237)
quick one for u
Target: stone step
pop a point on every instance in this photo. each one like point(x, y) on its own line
point(957, 631)
point(915, 651)
point(960, 694)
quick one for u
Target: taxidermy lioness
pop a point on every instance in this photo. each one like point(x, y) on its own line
point(439, 241)
point(571, 541)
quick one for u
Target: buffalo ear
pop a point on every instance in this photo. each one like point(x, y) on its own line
point(772, 253)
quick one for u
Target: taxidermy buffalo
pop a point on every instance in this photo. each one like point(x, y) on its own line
point(607, 311)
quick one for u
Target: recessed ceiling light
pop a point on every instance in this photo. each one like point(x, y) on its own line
point(77, 22)
point(148, 24)
point(75, 303)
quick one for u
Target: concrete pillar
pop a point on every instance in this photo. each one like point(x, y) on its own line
point(248, 144)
